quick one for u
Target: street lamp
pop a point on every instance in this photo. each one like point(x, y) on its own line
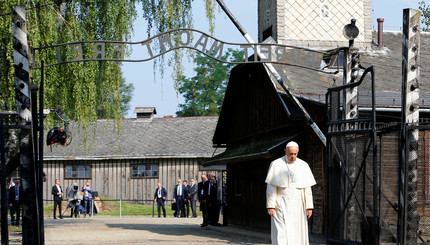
point(350, 32)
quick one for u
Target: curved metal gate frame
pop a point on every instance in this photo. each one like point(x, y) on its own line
point(352, 169)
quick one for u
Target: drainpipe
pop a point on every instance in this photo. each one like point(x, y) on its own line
point(380, 32)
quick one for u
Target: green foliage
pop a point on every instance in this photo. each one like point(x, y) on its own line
point(204, 93)
point(163, 15)
point(425, 14)
point(85, 90)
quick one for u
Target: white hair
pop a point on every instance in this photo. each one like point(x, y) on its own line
point(291, 144)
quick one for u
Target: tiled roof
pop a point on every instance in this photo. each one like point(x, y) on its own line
point(388, 74)
point(159, 137)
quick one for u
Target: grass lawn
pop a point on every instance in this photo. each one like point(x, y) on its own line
point(112, 208)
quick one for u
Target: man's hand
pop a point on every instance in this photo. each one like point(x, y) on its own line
point(309, 213)
point(164, 198)
point(155, 199)
point(10, 204)
point(271, 211)
point(174, 200)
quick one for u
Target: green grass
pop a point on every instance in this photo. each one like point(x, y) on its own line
point(112, 208)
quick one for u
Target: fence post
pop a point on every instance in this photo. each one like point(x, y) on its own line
point(120, 208)
point(408, 181)
point(31, 232)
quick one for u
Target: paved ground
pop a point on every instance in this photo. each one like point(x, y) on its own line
point(147, 230)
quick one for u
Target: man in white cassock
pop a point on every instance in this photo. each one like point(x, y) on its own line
point(289, 198)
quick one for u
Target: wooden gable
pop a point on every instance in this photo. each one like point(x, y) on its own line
point(252, 108)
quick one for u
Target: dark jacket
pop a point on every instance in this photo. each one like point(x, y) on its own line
point(202, 190)
point(55, 193)
point(213, 195)
point(12, 194)
point(163, 193)
point(184, 192)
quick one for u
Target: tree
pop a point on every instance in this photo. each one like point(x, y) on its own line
point(125, 94)
point(204, 93)
point(425, 14)
point(83, 89)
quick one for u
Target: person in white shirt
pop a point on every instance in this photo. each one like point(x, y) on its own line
point(57, 192)
point(180, 194)
point(289, 198)
point(15, 198)
point(160, 197)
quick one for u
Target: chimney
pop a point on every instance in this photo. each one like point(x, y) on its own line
point(146, 113)
point(380, 32)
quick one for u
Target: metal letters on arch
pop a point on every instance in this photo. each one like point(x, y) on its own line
point(165, 42)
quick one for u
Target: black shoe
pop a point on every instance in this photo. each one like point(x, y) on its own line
point(55, 218)
point(203, 225)
point(61, 217)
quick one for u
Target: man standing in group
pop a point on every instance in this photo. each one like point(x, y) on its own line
point(57, 192)
point(179, 196)
point(289, 197)
point(193, 197)
point(202, 191)
point(15, 197)
point(88, 198)
point(187, 200)
point(213, 201)
point(160, 197)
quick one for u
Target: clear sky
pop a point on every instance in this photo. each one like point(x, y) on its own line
point(159, 91)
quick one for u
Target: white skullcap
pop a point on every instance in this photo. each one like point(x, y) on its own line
point(292, 144)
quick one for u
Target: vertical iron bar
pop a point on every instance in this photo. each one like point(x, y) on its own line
point(376, 194)
point(40, 162)
point(4, 204)
point(381, 189)
point(34, 165)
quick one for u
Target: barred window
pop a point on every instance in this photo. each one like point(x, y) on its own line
point(78, 172)
point(145, 170)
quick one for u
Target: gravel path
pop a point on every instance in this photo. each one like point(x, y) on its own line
point(145, 230)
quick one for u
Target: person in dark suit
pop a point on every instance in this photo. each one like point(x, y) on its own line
point(57, 192)
point(213, 201)
point(202, 191)
point(180, 196)
point(193, 197)
point(160, 197)
point(187, 201)
point(15, 198)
